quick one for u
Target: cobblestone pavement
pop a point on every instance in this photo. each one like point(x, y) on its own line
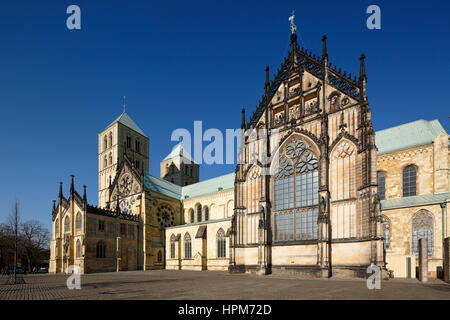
point(168, 284)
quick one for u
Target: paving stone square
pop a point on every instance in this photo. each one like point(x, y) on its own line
point(214, 285)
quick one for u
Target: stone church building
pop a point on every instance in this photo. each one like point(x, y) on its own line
point(316, 192)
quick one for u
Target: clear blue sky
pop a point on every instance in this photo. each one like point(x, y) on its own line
point(180, 61)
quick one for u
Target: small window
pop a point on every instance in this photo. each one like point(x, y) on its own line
point(78, 249)
point(187, 246)
point(128, 142)
point(67, 225)
point(105, 143)
point(110, 158)
point(57, 228)
point(123, 230)
point(409, 181)
point(105, 162)
point(199, 213)
point(101, 225)
point(131, 231)
point(191, 214)
point(78, 221)
point(172, 247)
point(159, 256)
point(138, 146)
point(110, 139)
point(206, 214)
point(221, 244)
point(101, 250)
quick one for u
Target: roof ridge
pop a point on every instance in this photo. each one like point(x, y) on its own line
point(193, 184)
point(403, 125)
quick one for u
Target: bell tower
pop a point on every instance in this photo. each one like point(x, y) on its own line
point(120, 137)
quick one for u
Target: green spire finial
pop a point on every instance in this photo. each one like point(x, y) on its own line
point(124, 103)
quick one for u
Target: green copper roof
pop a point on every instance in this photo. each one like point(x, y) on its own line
point(162, 186)
point(194, 190)
point(178, 150)
point(412, 134)
point(125, 119)
point(421, 200)
point(208, 186)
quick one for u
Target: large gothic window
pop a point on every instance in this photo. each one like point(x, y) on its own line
point(187, 246)
point(381, 180)
point(409, 181)
point(422, 227)
point(221, 244)
point(296, 196)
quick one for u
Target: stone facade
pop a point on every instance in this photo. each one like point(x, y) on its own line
point(316, 191)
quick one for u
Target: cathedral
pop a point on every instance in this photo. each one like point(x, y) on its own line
point(316, 191)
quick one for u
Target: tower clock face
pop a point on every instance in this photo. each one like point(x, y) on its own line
point(125, 184)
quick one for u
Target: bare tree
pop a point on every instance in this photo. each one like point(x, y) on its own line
point(35, 239)
point(14, 221)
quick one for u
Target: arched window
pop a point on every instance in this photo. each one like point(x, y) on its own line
point(101, 250)
point(386, 233)
point(187, 246)
point(78, 249)
point(105, 162)
point(67, 224)
point(422, 227)
point(409, 181)
point(206, 213)
point(172, 247)
point(159, 256)
point(57, 228)
point(110, 158)
point(191, 216)
point(110, 139)
point(78, 221)
point(199, 213)
point(221, 244)
point(381, 180)
point(296, 196)
point(105, 143)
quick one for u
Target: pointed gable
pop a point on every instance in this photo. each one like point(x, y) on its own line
point(125, 119)
point(299, 61)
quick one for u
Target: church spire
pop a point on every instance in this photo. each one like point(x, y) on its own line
point(243, 119)
point(362, 77)
point(60, 196)
point(84, 194)
point(293, 35)
point(124, 104)
point(324, 47)
point(72, 189)
point(266, 85)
